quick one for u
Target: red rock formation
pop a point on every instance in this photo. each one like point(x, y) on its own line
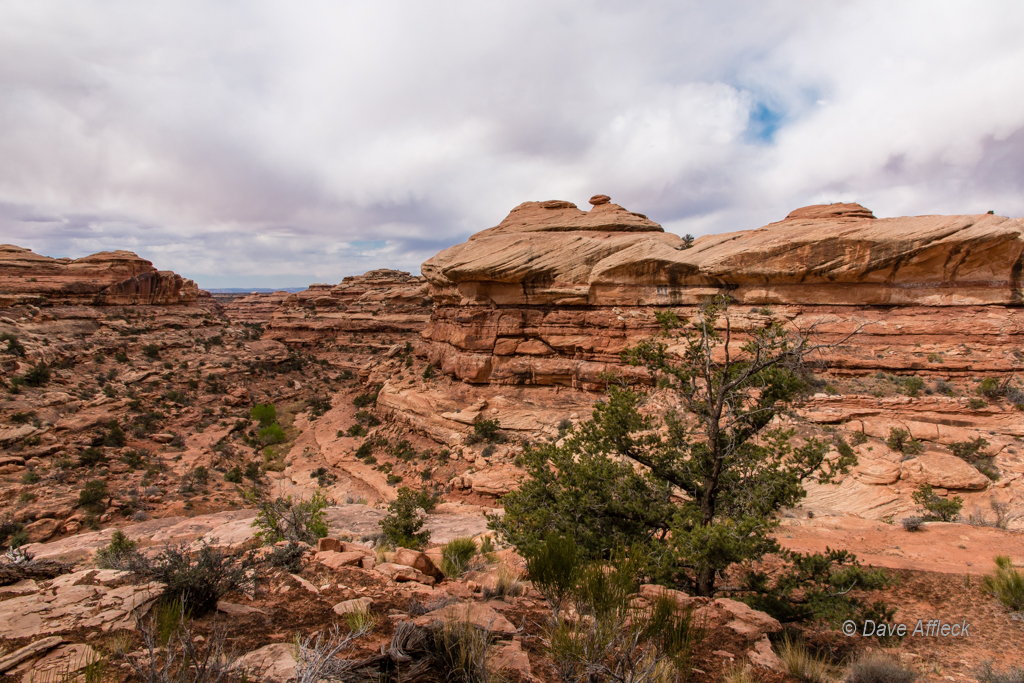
point(109, 278)
point(553, 294)
point(257, 307)
point(378, 301)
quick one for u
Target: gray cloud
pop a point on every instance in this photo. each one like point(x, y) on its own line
point(262, 144)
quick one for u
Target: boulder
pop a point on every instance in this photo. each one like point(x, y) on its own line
point(400, 573)
point(417, 560)
point(943, 471)
point(336, 560)
point(353, 605)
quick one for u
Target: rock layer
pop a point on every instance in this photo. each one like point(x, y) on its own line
point(553, 294)
point(109, 278)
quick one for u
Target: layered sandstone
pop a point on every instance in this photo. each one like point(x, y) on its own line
point(109, 278)
point(553, 294)
point(376, 302)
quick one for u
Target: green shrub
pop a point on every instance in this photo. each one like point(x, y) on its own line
point(553, 566)
point(287, 519)
point(151, 351)
point(30, 477)
point(428, 372)
point(912, 386)
point(234, 475)
point(403, 525)
point(22, 418)
point(364, 400)
point(1006, 584)
point(271, 434)
point(318, 405)
point(11, 532)
point(365, 450)
point(394, 479)
point(945, 510)
point(356, 430)
point(403, 450)
point(969, 450)
point(121, 356)
point(485, 430)
point(991, 388)
point(37, 376)
point(115, 436)
point(912, 523)
point(456, 556)
point(265, 413)
point(13, 345)
point(94, 495)
point(120, 553)
point(976, 403)
point(900, 440)
point(367, 418)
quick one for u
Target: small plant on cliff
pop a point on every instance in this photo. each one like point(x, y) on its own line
point(900, 440)
point(94, 495)
point(937, 507)
point(485, 430)
point(365, 400)
point(456, 556)
point(403, 525)
point(912, 386)
point(151, 351)
point(991, 388)
point(37, 376)
point(14, 346)
point(264, 413)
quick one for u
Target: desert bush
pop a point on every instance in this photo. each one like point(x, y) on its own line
point(879, 667)
point(91, 456)
point(170, 653)
point(912, 523)
point(937, 507)
point(11, 532)
point(37, 376)
point(403, 525)
point(287, 519)
point(461, 648)
point(991, 388)
point(1007, 584)
point(969, 450)
point(234, 475)
point(394, 479)
point(944, 387)
point(364, 400)
point(507, 584)
point(323, 656)
point(115, 436)
point(802, 664)
point(365, 417)
point(403, 450)
point(198, 579)
point(356, 430)
point(613, 637)
point(976, 403)
point(987, 674)
point(360, 622)
point(264, 413)
point(14, 346)
point(288, 557)
point(151, 351)
point(271, 434)
point(456, 556)
point(318, 405)
point(120, 553)
point(900, 440)
point(553, 566)
point(30, 477)
point(94, 495)
point(911, 386)
point(485, 430)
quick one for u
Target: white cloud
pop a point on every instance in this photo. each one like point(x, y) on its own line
point(247, 143)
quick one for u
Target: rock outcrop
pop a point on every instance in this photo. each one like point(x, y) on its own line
point(553, 294)
point(109, 278)
point(378, 301)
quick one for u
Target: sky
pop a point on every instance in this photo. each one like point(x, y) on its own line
point(272, 144)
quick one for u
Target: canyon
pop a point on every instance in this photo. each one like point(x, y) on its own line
point(524, 323)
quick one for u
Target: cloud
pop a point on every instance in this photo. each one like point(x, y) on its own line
point(265, 144)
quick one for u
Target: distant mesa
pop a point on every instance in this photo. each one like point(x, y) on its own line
point(109, 278)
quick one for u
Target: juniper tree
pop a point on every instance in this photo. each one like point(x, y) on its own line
point(698, 487)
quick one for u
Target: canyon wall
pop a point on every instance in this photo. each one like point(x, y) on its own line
point(553, 294)
point(109, 278)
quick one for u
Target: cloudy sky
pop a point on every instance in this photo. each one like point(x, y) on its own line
point(256, 144)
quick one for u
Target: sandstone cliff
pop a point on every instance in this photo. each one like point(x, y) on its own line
point(553, 294)
point(109, 278)
point(378, 301)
